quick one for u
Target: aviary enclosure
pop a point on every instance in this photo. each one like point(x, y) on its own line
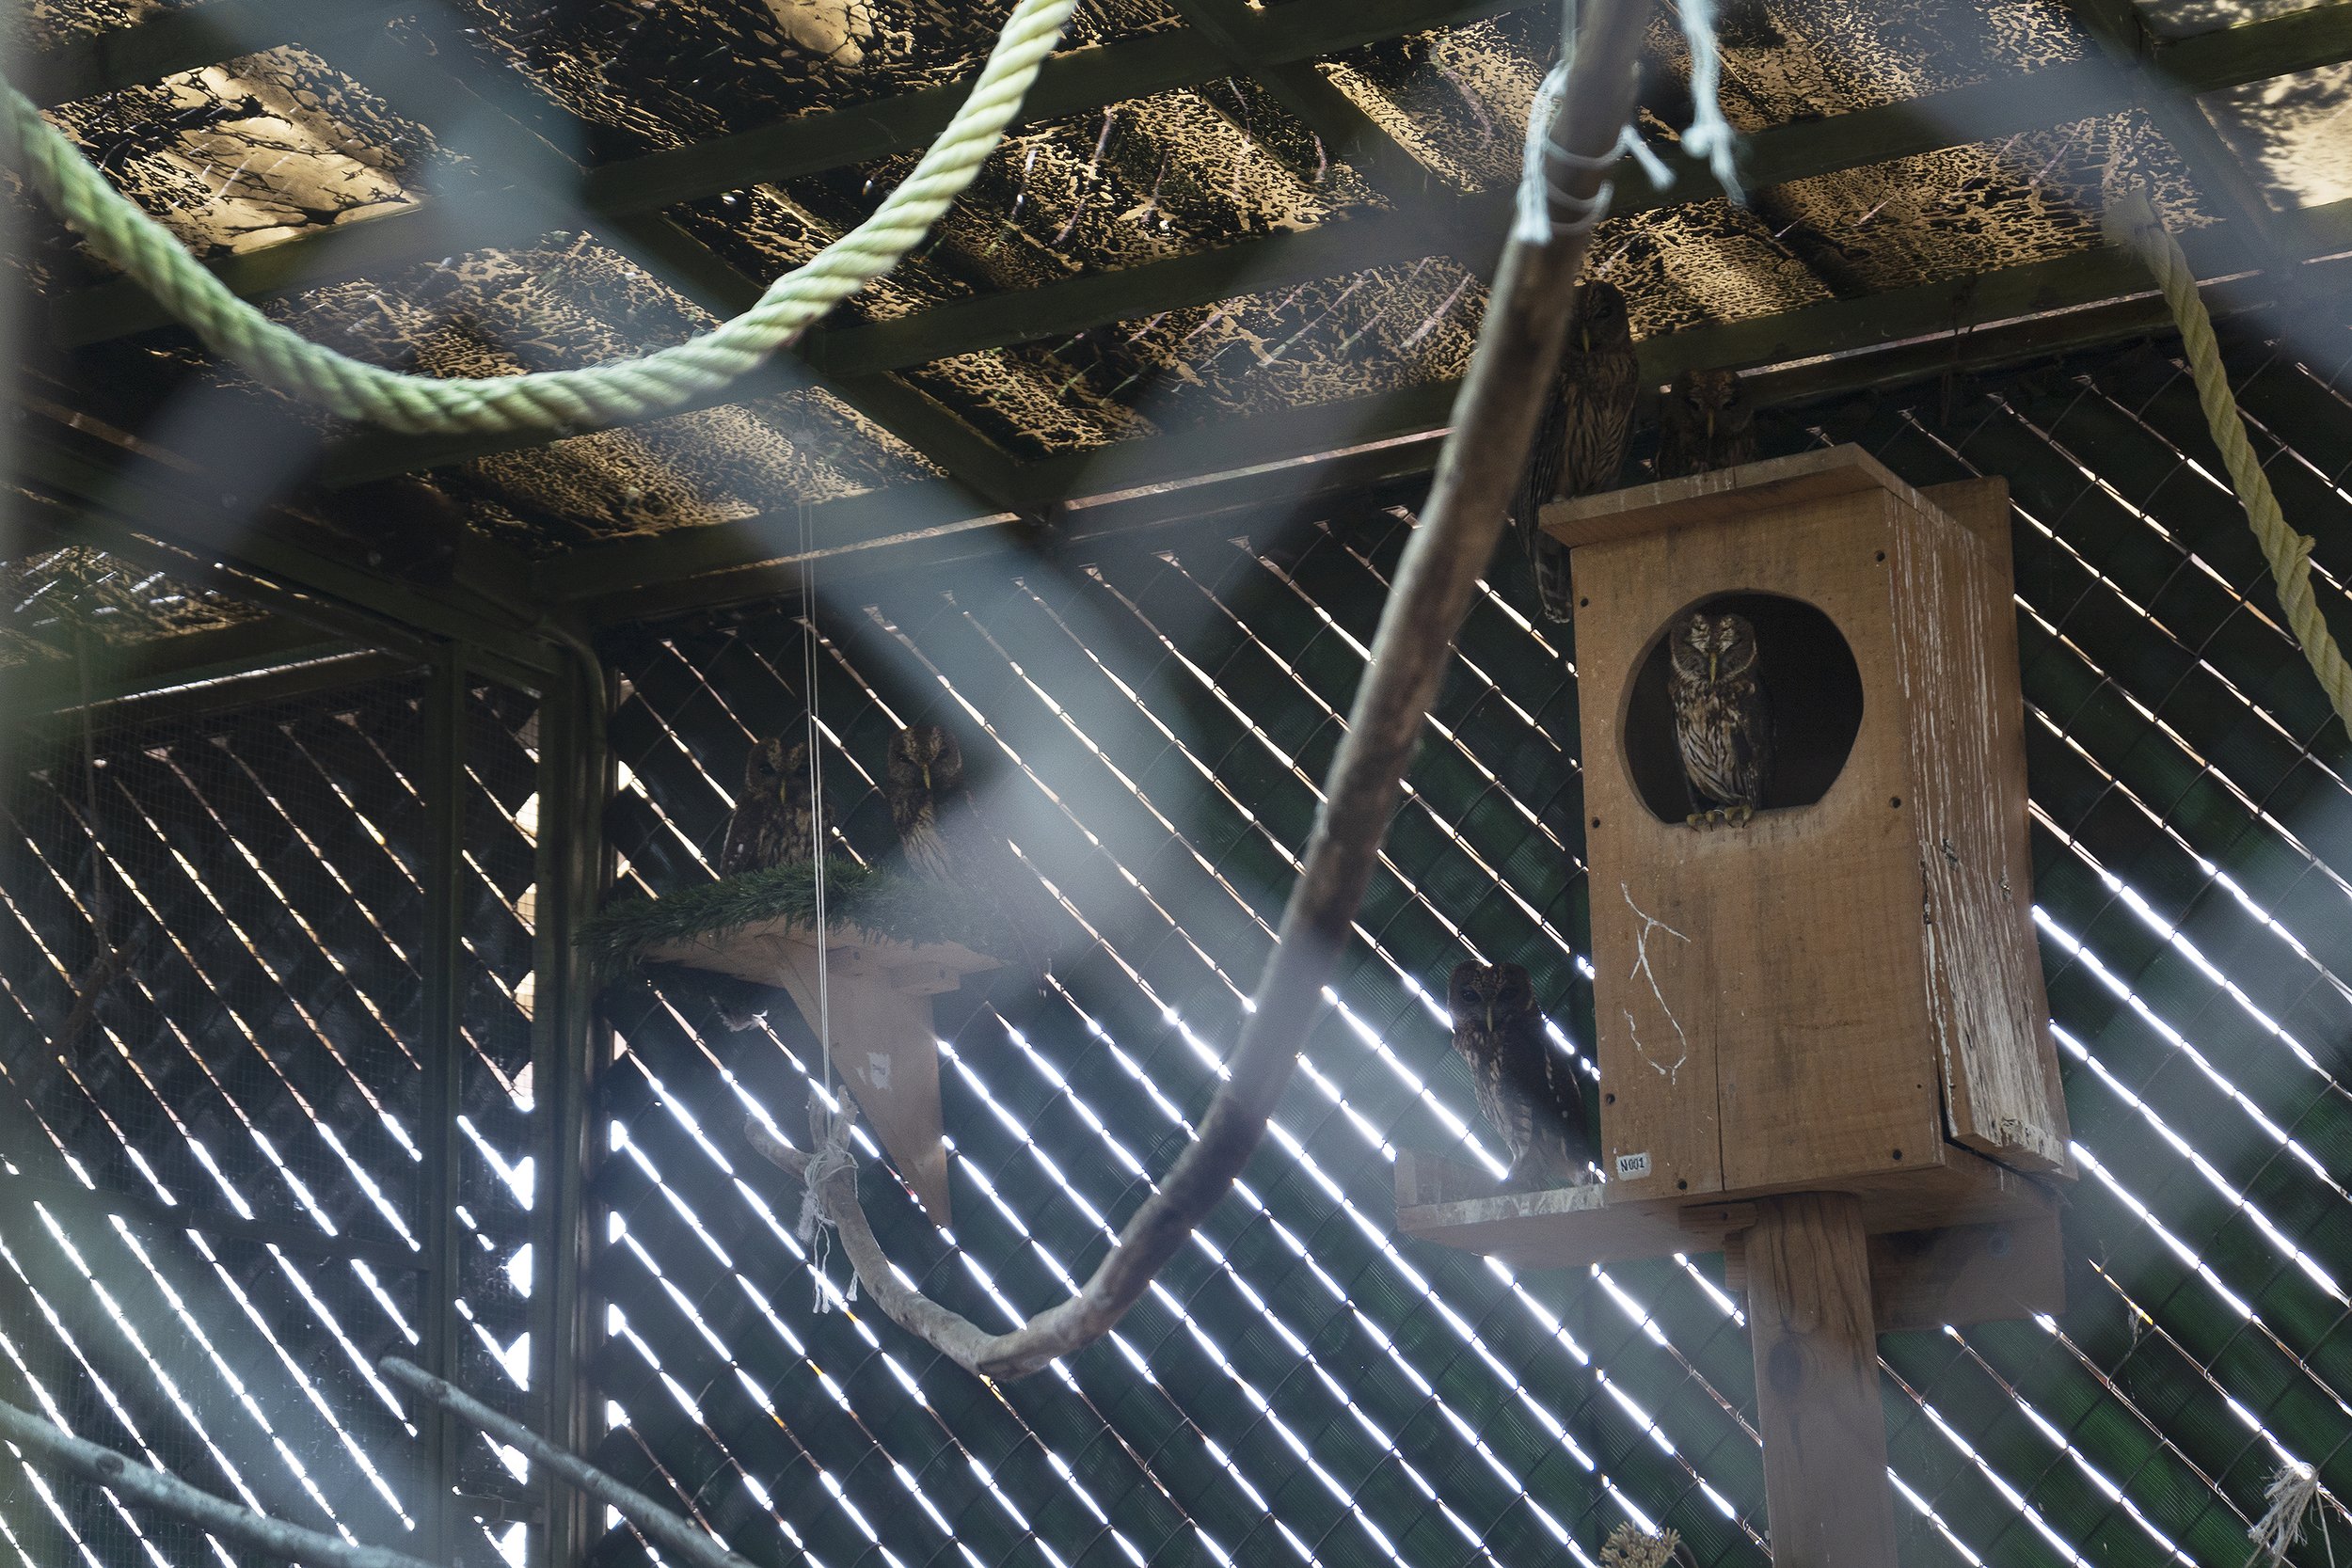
point(1413, 783)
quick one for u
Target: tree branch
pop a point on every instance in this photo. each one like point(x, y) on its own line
point(160, 1490)
point(1494, 420)
point(678, 1535)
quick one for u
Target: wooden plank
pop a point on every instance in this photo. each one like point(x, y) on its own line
point(1727, 494)
point(1921, 1280)
point(1738, 1047)
point(876, 995)
point(1074, 83)
point(2003, 1095)
point(1816, 1385)
point(1459, 1206)
point(187, 39)
point(2253, 51)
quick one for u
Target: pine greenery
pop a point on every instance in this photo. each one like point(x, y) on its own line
point(878, 901)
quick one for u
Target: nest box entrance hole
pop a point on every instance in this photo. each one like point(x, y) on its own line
point(1812, 689)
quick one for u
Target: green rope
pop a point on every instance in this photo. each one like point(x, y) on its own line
point(2133, 225)
point(592, 398)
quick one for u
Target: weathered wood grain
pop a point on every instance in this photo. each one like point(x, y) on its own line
point(1816, 1385)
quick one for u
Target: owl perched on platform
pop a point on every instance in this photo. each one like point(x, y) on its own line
point(940, 836)
point(922, 780)
point(775, 819)
point(1631, 1547)
point(1580, 441)
point(1704, 423)
point(1722, 724)
point(1527, 1090)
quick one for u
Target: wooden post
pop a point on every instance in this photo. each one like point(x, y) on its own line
point(1817, 1384)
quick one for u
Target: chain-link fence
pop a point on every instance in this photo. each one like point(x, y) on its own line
point(1149, 731)
point(219, 1149)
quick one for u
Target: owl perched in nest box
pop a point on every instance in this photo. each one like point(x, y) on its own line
point(1529, 1092)
point(775, 820)
point(1579, 442)
point(940, 836)
point(1722, 724)
point(1706, 421)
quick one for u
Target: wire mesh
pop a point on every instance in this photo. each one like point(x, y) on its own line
point(215, 1204)
point(1148, 730)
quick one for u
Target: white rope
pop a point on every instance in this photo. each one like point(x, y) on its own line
point(2290, 1494)
point(1544, 209)
point(832, 1145)
point(1709, 137)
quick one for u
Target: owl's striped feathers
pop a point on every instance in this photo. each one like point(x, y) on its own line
point(1527, 1090)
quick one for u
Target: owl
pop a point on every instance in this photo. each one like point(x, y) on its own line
point(1630, 1546)
point(1704, 423)
point(1579, 442)
point(775, 819)
point(923, 780)
point(1530, 1092)
point(940, 836)
point(1722, 725)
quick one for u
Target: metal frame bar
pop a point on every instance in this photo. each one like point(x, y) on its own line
point(442, 1046)
point(570, 1045)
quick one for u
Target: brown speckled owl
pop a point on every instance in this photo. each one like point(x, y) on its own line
point(922, 780)
point(1723, 727)
point(775, 818)
point(1579, 442)
point(1527, 1089)
point(940, 836)
point(1706, 421)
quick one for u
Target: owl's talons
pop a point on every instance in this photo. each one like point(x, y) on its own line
point(1699, 819)
point(1740, 815)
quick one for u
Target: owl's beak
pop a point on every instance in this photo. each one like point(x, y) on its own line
point(1490, 1018)
point(927, 778)
point(1714, 664)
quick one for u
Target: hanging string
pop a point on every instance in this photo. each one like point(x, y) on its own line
point(2290, 1494)
point(833, 1142)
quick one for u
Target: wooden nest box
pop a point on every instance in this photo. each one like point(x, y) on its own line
point(878, 1001)
point(1822, 1035)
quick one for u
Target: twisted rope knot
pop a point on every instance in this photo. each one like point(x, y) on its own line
point(831, 1159)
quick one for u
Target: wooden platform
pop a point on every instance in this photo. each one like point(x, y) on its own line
point(1966, 1240)
point(878, 1003)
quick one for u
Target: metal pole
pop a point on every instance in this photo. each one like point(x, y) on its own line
point(568, 1046)
point(444, 787)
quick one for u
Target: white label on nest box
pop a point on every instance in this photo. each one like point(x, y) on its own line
point(878, 1070)
point(1633, 1167)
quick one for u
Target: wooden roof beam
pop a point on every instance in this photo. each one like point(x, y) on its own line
point(1346, 132)
point(1093, 78)
point(2046, 307)
point(501, 129)
point(189, 38)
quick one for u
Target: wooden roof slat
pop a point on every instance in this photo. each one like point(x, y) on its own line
point(506, 128)
point(189, 38)
point(2222, 179)
point(739, 561)
point(1995, 109)
point(1346, 132)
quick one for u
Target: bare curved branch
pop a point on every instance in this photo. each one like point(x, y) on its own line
point(167, 1492)
point(1494, 420)
point(673, 1531)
